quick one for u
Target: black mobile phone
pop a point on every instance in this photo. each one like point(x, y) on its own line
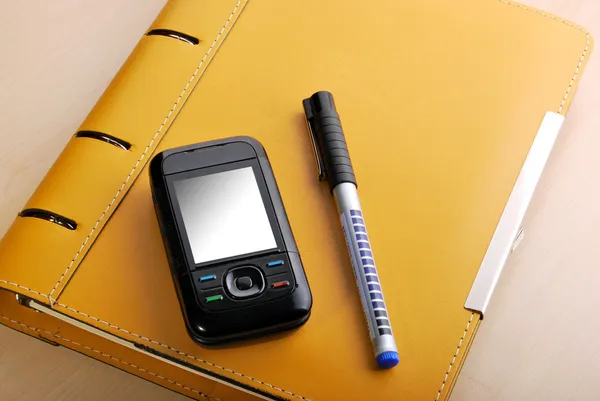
point(233, 258)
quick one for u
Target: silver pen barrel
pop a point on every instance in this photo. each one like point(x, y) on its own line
point(365, 270)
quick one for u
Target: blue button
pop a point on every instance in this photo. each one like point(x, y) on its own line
point(275, 263)
point(207, 278)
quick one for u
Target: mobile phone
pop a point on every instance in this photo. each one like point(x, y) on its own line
point(232, 254)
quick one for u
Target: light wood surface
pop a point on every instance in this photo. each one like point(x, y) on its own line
point(540, 338)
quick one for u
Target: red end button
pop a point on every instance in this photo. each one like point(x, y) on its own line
point(280, 284)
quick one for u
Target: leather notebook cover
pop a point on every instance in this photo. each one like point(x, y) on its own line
point(441, 104)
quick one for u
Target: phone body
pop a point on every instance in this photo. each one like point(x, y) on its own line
point(231, 251)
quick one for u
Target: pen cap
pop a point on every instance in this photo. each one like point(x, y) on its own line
point(329, 139)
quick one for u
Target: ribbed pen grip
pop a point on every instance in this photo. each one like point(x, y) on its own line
point(329, 139)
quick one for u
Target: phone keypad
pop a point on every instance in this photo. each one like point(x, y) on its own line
point(213, 296)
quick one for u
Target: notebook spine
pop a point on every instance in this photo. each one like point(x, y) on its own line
point(104, 157)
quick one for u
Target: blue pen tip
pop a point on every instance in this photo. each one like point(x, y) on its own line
point(388, 359)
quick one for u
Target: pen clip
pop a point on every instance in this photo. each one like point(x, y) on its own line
point(322, 174)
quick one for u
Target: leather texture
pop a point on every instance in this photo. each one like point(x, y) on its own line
point(440, 102)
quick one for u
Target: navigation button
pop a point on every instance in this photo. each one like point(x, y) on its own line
point(243, 283)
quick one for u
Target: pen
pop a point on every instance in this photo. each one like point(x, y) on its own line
point(333, 162)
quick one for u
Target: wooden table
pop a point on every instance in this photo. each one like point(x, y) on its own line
point(540, 339)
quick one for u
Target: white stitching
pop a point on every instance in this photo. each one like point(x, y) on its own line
point(111, 357)
point(454, 357)
point(145, 150)
point(587, 45)
point(568, 23)
point(24, 288)
point(180, 352)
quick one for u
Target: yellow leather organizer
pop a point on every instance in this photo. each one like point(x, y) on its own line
point(441, 102)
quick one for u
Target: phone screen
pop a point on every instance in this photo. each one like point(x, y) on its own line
point(224, 215)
